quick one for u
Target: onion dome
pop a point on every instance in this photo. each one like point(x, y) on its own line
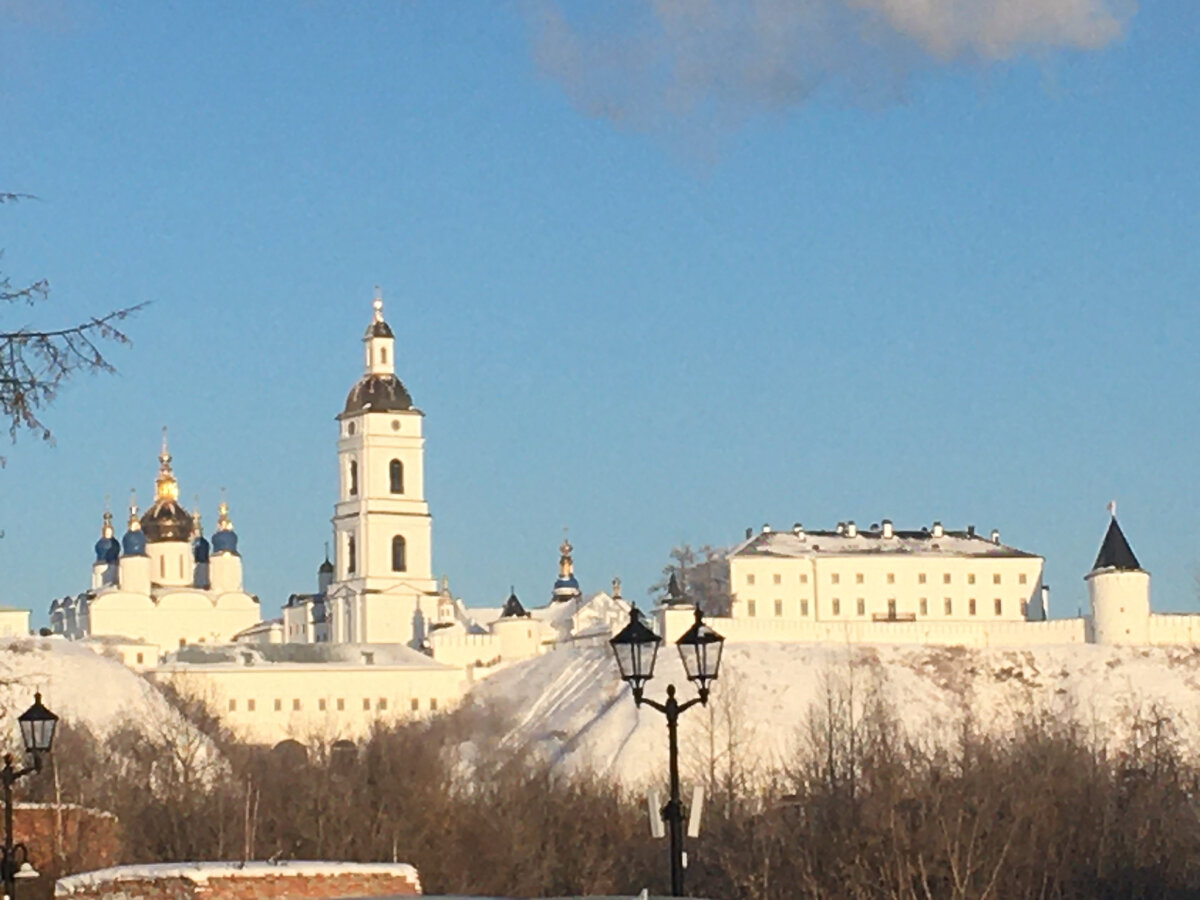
point(326, 568)
point(566, 587)
point(107, 548)
point(224, 539)
point(166, 519)
point(513, 608)
point(200, 546)
point(378, 393)
point(134, 541)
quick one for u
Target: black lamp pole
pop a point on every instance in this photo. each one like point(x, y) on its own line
point(636, 648)
point(37, 733)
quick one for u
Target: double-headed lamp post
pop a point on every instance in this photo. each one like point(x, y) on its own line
point(636, 648)
point(37, 734)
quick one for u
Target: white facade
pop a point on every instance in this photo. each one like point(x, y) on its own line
point(163, 585)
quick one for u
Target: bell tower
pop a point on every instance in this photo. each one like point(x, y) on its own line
point(383, 556)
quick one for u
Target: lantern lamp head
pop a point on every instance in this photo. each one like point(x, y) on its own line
point(38, 725)
point(636, 648)
point(700, 649)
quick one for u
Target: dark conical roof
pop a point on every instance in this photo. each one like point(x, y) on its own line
point(513, 608)
point(1115, 552)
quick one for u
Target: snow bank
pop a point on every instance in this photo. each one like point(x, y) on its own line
point(571, 706)
point(202, 872)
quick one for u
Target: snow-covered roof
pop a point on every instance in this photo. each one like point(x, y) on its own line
point(202, 872)
point(242, 655)
point(850, 542)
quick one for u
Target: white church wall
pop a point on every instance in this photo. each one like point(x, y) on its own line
point(14, 622)
point(455, 648)
point(1174, 629)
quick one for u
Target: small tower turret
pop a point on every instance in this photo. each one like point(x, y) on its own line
point(1118, 591)
point(201, 550)
point(108, 553)
point(224, 563)
point(133, 570)
point(566, 588)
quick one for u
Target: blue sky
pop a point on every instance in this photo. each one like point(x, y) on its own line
point(924, 286)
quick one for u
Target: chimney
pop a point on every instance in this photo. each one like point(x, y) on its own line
point(851, 529)
point(1045, 601)
point(970, 531)
point(888, 533)
point(749, 533)
point(766, 528)
point(938, 530)
point(841, 528)
point(995, 536)
point(798, 531)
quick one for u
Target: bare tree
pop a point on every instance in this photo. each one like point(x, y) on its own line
point(35, 361)
point(702, 575)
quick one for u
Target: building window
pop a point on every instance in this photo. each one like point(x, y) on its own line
point(924, 606)
point(751, 608)
point(140, 658)
point(946, 578)
point(804, 607)
point(999, 604)
point(233, 706)
point(862, 606)
point(353, 490)
point(416, 704)
point(383, 355)
point(891, 609)
point(948, 605)
point(350, 428)
point(250, 706)
point(971, 578)
point(749, 579)
point(971, 607)
point(778, 608)
point(837, 606)
point(804, 578)
point(396, 476)
point(278, 704)
point(398, 561)
point(321, 704)
point(921, 578)
point(996, 578)
point(367, 704)
point(296, 705)
point(162, 567)
point(1021, 578)
point(433, 702)
point(1024, 608)
point(835, 578)
point(351, 556)
point(891, 577)
point(382, 704)
point(858, 577)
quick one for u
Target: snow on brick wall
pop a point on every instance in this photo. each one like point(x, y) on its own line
point(248, 881)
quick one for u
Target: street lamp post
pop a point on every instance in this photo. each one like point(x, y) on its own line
point(636, 648)
point(37, 734)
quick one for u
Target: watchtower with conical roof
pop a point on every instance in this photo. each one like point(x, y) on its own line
point(1119, 592)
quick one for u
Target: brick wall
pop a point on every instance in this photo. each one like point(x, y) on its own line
point(63, 838)
point(252, 881)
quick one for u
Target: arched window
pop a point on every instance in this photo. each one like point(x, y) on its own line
point(399, 564)
point(353, 477)
point(351, 561)
point(396, 471)
point(383, 355)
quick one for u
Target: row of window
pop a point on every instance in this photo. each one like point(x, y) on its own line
point(379, 705)
point(859, 578)
point(399, 555)
point(395, 477)
point(861, 607)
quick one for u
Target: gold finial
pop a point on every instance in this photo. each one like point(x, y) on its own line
point(616, 586)
point(106, 530)
point(197, 527)
point(165, 485)
point(223, 522)
point(133, 524)
point(445, 585)
point(377, 303)
point(565, 564)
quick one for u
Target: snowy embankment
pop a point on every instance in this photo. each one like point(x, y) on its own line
point(82, 687)
point(571, 706)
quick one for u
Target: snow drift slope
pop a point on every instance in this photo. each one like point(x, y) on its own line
point(79, 685)
point(571, 706)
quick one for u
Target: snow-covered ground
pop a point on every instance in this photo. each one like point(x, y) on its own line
point(571, 706)
point(79, 685)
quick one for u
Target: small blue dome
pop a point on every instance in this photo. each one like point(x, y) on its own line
point(200, 549)
point(566, 584)
point(107, 550)
point(134, 543)
point(224, 541)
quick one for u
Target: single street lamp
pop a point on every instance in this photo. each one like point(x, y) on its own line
point(37, 734)
point(636, 648)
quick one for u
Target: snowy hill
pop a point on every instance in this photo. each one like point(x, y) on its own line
point(571, 705)
point(79, 685)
